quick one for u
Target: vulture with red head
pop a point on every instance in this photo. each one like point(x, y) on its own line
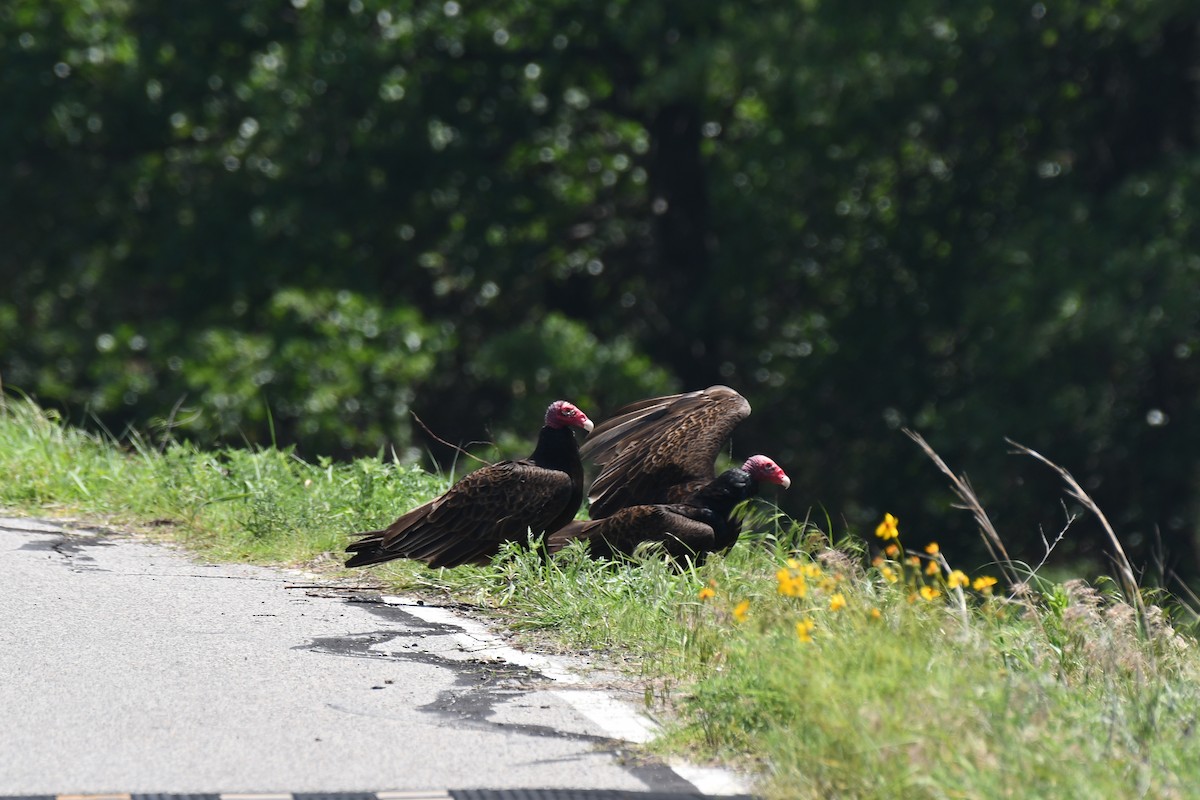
point(658, 481)
point(505, 502)
point(703, 524)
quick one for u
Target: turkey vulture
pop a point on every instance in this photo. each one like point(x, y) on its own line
point(500, 503)
point(701, 525)
point(661, 450)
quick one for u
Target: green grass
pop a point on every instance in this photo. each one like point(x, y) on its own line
point(1055, 690)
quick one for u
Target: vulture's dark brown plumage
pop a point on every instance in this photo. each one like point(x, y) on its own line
point(660, 450)
point(703, 524)
point(500, 503)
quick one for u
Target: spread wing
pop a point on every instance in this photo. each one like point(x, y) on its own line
point(680, 529)
point(470, 522)
point(661, 449)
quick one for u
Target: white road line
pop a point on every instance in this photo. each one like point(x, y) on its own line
point(615, 717)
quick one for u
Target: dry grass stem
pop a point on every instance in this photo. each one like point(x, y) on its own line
point(962, 488)
point(1125, 575)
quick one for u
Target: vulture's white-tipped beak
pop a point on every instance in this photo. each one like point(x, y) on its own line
point(786, 482)
point(588, 425)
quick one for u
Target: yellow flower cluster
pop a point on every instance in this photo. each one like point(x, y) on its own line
point(928, 582)
point(796, 579)
point(805, 580)
point(791, 581)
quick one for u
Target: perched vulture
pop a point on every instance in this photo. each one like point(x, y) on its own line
point(500, 503)
point(701, 525)
point(660, 450)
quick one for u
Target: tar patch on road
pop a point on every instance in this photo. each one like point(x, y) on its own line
point(479, 686)
point(71, 547)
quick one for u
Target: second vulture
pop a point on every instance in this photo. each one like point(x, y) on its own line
point(704, 524)
point(658, 482)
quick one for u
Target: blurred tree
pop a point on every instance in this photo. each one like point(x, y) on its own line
point(977, 220)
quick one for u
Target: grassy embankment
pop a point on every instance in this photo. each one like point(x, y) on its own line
point(833, 675)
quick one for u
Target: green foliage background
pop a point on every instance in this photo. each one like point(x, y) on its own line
point(975, 219)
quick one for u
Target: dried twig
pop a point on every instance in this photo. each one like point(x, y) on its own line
point(1048, 545)
point(1125, 575)
point(455, 447)
point(962, 488)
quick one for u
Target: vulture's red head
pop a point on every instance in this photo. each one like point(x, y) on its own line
point(764, 470)
point(562, 414)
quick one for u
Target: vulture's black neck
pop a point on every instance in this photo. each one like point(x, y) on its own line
point(557, 449)
point(727, 490)
point(721, 496)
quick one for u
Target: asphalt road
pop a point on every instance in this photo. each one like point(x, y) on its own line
point(130, 667)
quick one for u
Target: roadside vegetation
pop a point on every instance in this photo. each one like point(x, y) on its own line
point(834, 664)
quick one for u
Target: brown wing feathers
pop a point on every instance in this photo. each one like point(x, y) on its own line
point(661, 449)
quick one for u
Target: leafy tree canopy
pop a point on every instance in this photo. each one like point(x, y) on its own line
point(307, 220)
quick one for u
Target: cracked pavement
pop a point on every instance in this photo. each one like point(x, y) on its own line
point(131, 667)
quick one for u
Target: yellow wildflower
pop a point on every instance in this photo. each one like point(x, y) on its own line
point(837, 602)
point(888, 574)
point(804, 629)
point(932, 548)
point(913, 561)
point(741, 611)
point(791, 584)
point(707, 593)
point(888, 529)
point(811, 570)
point(892, 550)
point(877, 561)
point(983, 583)
point(930, 593)
point(932, 568)
point(875, 613)
point(957, 578)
